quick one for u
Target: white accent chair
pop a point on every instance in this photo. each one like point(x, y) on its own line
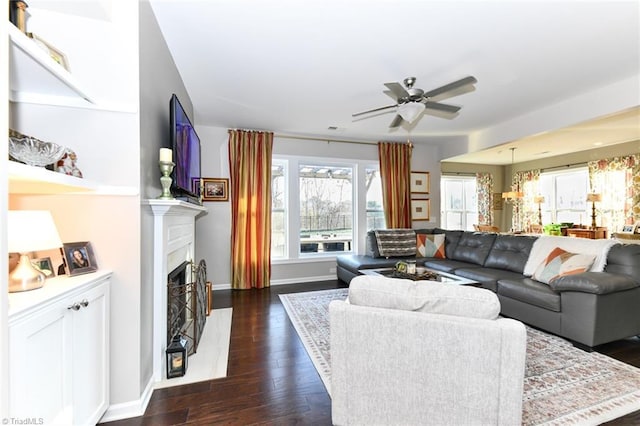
point(424, 353)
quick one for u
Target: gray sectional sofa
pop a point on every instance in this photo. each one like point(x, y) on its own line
point(589, 308)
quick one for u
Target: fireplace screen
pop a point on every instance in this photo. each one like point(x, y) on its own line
point(187, 303)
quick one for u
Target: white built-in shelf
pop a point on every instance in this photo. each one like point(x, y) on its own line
point(37, 78)
point(25, 179)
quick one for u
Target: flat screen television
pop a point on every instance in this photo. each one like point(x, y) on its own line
point(185, 144)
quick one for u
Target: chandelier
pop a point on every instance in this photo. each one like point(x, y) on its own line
point(515, 194)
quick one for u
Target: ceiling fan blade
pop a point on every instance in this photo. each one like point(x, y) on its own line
point(396, 122)
point(455, 88)
point(397, 90)
point(452, 109)
point(373, 110)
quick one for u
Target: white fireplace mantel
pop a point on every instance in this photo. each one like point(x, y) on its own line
point(173, 243)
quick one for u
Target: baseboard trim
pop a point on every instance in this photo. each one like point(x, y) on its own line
point(126, 410)
point(284, 281)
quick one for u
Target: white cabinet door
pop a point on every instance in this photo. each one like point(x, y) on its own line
point(91, 356)
point(40, 362)
point(59, 358)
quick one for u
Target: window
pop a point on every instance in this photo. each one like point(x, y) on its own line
point(565, 195)
point(326, 208)
point(278, 208)
point(459, 202)
point(317, 204)
point(375, 211)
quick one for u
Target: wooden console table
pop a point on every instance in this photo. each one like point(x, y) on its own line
point(594, 234)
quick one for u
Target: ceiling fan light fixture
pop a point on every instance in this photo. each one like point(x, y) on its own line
point(410, 111)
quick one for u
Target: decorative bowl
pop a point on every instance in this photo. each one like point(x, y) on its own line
point(35, 152)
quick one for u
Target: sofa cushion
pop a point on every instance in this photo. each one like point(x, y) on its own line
point(529, 291)
point(624, 259)
point(452, 237)
point(473, 247)
point(423, 296)
point(430, 245)
point(487, 277)
point(594, 282)
point(561, 262)
point(396, 242)
point(448, 265)
point(510, 252)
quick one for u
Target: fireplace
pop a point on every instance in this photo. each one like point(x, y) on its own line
point(173, 245)
point(187, 303)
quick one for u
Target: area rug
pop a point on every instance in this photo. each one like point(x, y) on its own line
point(210, 360)
point(563, 385)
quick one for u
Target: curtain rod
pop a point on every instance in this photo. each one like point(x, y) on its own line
point(458, 174)
point(566, 166)
point(324, 139)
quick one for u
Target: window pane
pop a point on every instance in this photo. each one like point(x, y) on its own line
point(375, 212)
point(326, 208)
point(454, 194)
point(571, 191)
point(278, 210)
point(459, 202)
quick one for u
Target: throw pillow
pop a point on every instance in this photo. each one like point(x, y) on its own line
point(424, 296)
point(559, 263)
point(430, 245)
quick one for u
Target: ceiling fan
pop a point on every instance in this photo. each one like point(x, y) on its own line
point(412, 102)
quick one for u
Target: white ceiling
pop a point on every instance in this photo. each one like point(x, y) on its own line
point(303, 67)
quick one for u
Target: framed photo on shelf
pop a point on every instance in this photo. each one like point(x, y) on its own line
point(215, 189)
point(79, 257)
point(44, 265)
point(420, 209)
point(628, 229)
point(53, 52)
point(419, 182)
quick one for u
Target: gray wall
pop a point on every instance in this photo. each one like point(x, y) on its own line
point(213, 230)
point(159, 79)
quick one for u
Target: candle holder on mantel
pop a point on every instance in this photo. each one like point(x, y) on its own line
point(166, 167)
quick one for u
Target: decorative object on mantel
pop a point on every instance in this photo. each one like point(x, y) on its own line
point(18, 14)
point(27, 231)
point(51, 50)
point(212, 189)
point(33, 151)
point(166, 167)
point(80, 258)
point(67, 164)
point(593, 198)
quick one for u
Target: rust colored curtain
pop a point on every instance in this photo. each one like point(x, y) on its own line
point(395, 173)
point(250, 172)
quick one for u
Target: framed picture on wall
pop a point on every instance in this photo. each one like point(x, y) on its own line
point(215, 189)
point(420, 209)
point(419, 182)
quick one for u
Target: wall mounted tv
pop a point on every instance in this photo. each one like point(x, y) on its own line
point(186, 154)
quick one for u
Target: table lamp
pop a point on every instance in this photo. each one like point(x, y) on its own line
point(593, 198)
point(27, 231)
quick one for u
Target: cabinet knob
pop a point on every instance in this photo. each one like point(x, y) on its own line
point(84, 303)
point(76, 306)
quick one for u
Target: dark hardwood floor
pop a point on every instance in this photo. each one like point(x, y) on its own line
point(270, 378)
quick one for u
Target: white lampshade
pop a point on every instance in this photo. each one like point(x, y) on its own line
point(410, 111)
point(538, 199)
point(29, 230)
